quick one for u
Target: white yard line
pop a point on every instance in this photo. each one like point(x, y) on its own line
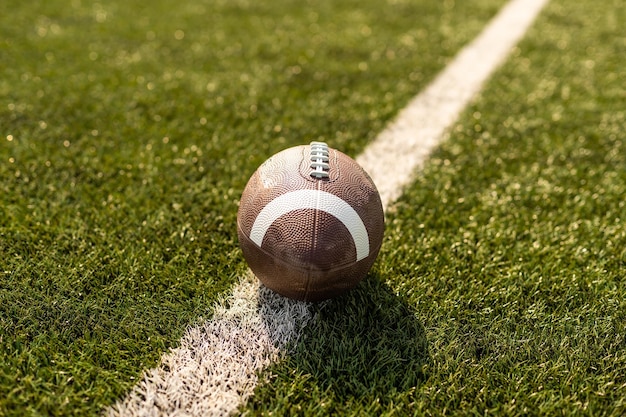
point(215, 368)
point(391, 160)
point(214, 371)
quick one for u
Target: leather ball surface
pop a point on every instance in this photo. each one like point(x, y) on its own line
point(310, 222)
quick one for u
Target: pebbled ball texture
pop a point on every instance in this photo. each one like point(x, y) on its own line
point(310, 223)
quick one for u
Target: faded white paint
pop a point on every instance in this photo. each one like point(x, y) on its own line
point(214, 371)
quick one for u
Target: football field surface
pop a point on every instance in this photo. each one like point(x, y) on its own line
point(127, 133)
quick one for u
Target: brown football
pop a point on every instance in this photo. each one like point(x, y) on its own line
point(310, 222)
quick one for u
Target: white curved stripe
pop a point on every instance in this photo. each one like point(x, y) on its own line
point(313, 199)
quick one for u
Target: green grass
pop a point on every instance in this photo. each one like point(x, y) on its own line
point(501, 286)
point(127, 132)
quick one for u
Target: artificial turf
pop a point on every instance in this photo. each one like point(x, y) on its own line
point(501, 285)
point(127, 132)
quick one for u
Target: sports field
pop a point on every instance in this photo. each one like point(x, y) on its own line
point(128, 130)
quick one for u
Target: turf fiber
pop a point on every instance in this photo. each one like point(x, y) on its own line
point(128, 130)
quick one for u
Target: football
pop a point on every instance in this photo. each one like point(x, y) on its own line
point(310, 222)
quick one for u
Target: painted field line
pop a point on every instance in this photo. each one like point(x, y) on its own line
point(401, 148)
point(214, 371)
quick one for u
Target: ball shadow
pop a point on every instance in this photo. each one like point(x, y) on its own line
point(364, 346)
